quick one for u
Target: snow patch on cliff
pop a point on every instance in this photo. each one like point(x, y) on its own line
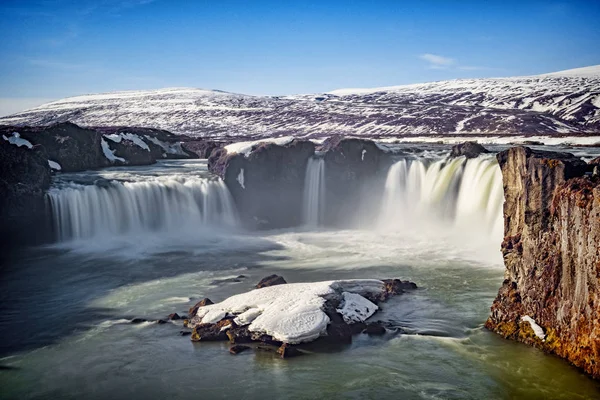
point(538, 330)
point(245, 148)
point(117, 137)
point(109, 153)
point(54, 165)
point(17, 140)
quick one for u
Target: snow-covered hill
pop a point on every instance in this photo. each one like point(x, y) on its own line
point(566, 102)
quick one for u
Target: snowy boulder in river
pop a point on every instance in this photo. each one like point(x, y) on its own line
point(295, 313)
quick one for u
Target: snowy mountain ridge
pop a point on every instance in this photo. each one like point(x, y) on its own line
point(560, 103)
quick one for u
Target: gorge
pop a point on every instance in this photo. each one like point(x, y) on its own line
point(338, 209)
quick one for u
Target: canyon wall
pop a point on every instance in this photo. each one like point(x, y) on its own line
point(550, 297)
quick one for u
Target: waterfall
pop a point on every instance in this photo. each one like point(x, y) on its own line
point(457, 192)
point(84, 211)
point(314, 192)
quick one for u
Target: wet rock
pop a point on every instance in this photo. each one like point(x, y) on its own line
point(239, 334)
point(238, 348)
point(532, 143)
point(174, 317)
point(204, 302)
point(394, 287)
point(161, 321)
point(468, 149)
point(212, 332)
point(551, 253)
point(217, 282)
point(375, 329)
point(270, 280)
point(138, 320)
point(185, 333)
point(288, 351)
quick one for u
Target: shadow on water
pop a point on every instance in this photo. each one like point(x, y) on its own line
point(45, 293)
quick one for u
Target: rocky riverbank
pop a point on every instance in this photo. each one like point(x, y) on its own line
point(550, 297)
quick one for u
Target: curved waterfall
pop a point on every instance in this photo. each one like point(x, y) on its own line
point(84, 211)
point(465, 193)
point(314, 192)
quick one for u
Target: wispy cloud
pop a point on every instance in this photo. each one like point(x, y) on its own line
point(436, 61)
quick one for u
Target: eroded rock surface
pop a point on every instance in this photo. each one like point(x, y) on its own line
point(287, 315)
point(267, 184)
point(468, 149)
point(551, 252)
point(24, 178)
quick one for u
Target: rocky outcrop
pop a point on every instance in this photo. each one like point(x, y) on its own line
point(267, 182)
point(550, 297)
point(202, 148)
point(289, 315)
point(160, 143)
point(351, 168)
point(267, 185)
point(75, 148)
point(24, 178)
point(467, 149)
point(72, 147)
point(270, 280)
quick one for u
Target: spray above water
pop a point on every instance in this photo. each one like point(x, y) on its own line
point(314, 192)
point(85, 211)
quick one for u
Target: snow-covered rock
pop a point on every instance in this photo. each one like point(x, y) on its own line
point(295, 312)
point(552, 104)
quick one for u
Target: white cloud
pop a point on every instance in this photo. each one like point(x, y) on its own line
point(436, 61)
point(12, 105)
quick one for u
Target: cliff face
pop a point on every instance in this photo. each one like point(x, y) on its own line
point(78, 149)
point(551, 252)
point(351, 168)
point(267, 185)
point(24, 178)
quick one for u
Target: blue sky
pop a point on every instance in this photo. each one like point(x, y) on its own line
point(57, 48)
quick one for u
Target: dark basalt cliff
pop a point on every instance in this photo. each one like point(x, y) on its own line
point(351, 166)
point(551, 252)
point(267, 185)
point(24, 178)
point(77, 149)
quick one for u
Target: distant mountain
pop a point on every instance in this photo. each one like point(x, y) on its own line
point(560, 103)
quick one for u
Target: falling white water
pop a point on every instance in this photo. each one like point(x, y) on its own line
point(466, 194)
point(314, 192)
point(84, 211)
